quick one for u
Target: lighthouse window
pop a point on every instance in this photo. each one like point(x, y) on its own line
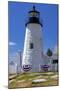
point(31, 45)
point(33, 14)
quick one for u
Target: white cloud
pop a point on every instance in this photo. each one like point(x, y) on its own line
point(12, 43)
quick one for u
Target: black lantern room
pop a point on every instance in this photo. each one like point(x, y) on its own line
point(34, 17)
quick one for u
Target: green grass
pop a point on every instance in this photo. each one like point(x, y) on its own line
point(12, 84)
point(28, 77)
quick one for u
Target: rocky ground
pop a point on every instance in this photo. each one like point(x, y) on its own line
point(33, 80)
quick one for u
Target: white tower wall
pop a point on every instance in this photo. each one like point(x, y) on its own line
point(33, 56)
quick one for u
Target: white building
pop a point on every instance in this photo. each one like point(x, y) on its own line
point(52, 62)
point(12, 68)
point(15, 64)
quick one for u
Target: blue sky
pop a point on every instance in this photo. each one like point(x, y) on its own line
point(18, 15)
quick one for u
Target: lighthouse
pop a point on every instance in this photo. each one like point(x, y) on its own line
point(32, 59)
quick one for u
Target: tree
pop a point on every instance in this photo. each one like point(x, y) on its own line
point(49, 53)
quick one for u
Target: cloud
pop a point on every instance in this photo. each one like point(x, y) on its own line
point(12, 43)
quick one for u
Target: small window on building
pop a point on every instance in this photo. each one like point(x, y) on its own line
point(55, 61)
point(31, 45)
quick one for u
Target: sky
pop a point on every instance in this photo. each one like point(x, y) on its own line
point(18, 16)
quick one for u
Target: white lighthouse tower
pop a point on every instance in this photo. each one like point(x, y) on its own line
point(32, 59)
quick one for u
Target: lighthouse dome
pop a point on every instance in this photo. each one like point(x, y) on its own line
point(34, 17)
